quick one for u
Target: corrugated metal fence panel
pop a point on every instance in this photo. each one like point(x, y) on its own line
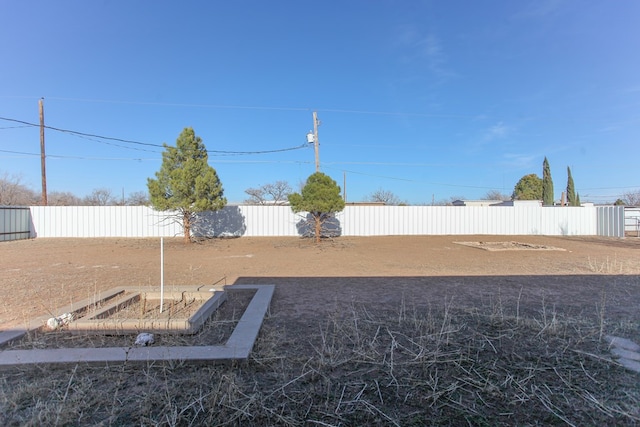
point(102, 221)
point(15, 223)
point(453, 220)
point(269, 220)
point(610, 221)
point(245, 220)
point(568, 221)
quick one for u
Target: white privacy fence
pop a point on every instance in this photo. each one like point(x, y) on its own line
point(438, 220)
point(245, 220)
point(101, 221)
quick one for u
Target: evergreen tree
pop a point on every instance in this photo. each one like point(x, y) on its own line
point(547, 184)
point(571, 191)
point(578, 200)
point(529, 187)
point(185, 182)
point(320, 197)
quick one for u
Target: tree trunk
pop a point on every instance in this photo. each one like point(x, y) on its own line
point(186, 226)
point(318, 221)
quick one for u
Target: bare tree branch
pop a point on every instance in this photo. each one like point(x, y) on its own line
point(269, 194)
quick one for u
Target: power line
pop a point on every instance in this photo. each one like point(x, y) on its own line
point(308, 162)
point(57, 156)
point(128, 141)
point(308, 109)
point(82, 133)
point(177, 104)
point(92, 137)
point(267, 108)
point(453, 185)
point(414, 180)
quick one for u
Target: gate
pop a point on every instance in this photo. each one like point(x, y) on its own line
point(632, 221)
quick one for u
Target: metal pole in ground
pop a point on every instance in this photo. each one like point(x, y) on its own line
point(161, 273)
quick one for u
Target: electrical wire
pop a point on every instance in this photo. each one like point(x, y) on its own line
point(172, 104)
point(303, 109)
point(413, 180)
point(233, 153)
point(128, 141)
point(154, 158)
point(324, 165)
point(56, 156)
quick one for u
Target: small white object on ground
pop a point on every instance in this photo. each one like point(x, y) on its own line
point(53, 323)
point(57, 322)
point(144, 339)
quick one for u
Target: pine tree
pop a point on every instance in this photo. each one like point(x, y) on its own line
point(547, 184)
point(185, 182)
point(320, 197)
point(571, 191)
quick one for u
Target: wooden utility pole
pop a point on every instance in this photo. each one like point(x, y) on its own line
point(316, 143)
point(42, 155)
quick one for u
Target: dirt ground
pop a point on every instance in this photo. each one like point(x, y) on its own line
point(40, 276)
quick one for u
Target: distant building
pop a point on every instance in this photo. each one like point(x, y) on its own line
point(497, 203)
point(476, 202)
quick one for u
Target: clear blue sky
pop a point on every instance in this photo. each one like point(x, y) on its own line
point(426, 99)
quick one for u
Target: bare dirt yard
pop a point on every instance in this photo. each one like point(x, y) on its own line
point(424, 330)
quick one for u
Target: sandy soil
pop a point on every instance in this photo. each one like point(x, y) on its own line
point(40, 276)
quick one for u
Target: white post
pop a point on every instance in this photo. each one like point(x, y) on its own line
point(161, 273)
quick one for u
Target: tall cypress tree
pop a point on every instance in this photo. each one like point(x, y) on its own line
point(547, 184)
point(571, 191)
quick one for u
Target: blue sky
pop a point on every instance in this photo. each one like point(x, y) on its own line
point(426, 99)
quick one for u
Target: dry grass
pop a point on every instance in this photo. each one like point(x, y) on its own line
point(607, 266)
point(360, 365)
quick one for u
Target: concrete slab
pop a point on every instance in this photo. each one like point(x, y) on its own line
point(238, 346)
